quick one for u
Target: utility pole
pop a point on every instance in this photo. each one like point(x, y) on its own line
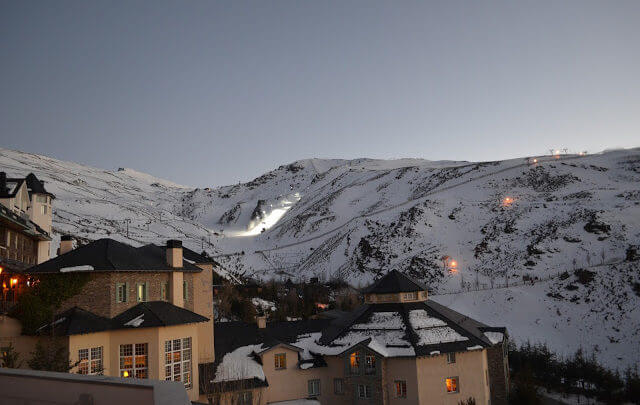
point(128, 221)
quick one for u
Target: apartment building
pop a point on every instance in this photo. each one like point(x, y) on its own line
point(25, 228)
point(143, 312)
point(397, 348)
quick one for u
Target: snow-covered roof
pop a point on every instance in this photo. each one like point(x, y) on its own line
point(240, 364)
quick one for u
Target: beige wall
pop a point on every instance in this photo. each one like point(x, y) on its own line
point(425, 378)
point(202, 298)
point(400, 369)
point(155, 339)
point(10, 334)
point(470, 368)
point(292, 382)
point(35, 213)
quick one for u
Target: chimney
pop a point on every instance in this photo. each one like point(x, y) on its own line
point(261, 321)
point(174, 253)
point(66, 244)
point(3, 182)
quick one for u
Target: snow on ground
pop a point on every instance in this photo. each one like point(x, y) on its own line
point(355, 218)
point(263, 304)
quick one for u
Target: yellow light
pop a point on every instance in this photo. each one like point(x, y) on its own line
point(535, 160)
point(13, 281)
point(125, 374)
point(1, 268)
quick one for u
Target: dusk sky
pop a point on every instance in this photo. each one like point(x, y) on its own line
point(210, 93)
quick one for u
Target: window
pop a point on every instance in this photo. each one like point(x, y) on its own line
point(164, 291)
point(245, 398)
point(90, 361)
point(401, 389)
point(314, 387)
point(338, 386)
point(452, 385)
point(134, 360)
point(142, 290)
point(451, 358)
point(280, 360)
point(364, 391)
point(354, 362)
point(370, 364)
point(43, 209)
point(177, 361)
point(185, 290)
point(41, 198)
point(122, 292)
point(410, 296)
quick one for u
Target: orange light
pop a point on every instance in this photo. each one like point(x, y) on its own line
point(13, 281)
point(453, 264)
point(4, 285)
point(507, 201)
point(1, 268)
point(535, 160)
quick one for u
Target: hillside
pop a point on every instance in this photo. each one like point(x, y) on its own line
point(567, 223)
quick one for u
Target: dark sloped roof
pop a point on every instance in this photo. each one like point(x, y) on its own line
point(153, 314)
point(36, 186)
point(191, 255)
point(76, 321)
point(111, 255)
point(395, 282)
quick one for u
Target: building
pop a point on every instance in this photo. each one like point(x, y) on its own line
point(25, 228)
point(144, 312)
point(397, 348)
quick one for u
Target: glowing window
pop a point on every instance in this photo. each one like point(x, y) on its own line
point(134, 360)
point(177, 361)
point(452, 385)
point(280, 360)
point(354, 362)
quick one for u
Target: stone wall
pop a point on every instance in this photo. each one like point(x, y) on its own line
point(498, 374)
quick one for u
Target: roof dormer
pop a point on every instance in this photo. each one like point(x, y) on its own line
point(395, 287)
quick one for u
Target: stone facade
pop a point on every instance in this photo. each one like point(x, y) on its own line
point(99, 294)
point(498, 364)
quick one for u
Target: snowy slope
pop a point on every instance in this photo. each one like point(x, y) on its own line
point(355, 219)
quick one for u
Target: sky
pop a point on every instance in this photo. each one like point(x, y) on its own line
point(209, 93)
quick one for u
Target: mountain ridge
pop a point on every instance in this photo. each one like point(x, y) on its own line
point(558, 230)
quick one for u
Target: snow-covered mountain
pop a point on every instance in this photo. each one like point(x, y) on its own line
point(558, 230)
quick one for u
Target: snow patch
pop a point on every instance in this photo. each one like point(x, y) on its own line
point(494, 337)
point(84, 267)
point(135, 322)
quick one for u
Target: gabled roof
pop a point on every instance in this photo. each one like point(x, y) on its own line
point(395, 282)
point(76, 321)
point(153, 314)
point(111, 255)
point(10, 186)
point(35, 186)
